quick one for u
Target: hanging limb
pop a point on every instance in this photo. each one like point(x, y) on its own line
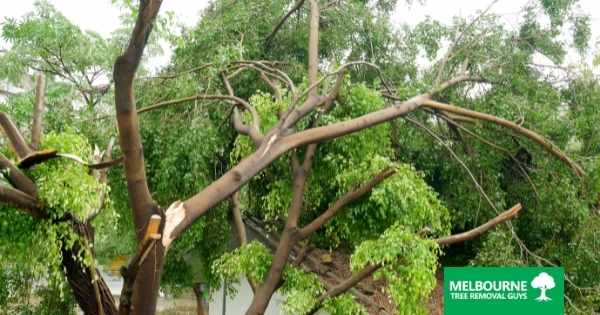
point(270, 37)
point(545, 143)
point(16, 177)
point(38, 111)
point(19, 145)
point(252, 130)
point(457, 158)
point(494, 146)
point(147, 244)
point(443, 241)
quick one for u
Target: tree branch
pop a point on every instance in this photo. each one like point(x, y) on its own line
point(545, 143)
point(22, 201)
point(270, 37)
point(15, 137)
point(275, 146)
point(443, 241)
point(16, 177)
point(38, 111)
point(289, 237)
point(252, 130)
point(343, 201)
point(127, 119)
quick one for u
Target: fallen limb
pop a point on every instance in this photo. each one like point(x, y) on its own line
point(448, 240)
point(545, 143)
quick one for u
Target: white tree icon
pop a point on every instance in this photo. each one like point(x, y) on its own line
point(543, 282)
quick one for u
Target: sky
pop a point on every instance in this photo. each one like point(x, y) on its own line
point(102, 17)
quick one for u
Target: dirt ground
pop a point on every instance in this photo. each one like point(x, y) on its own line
point(337, 267)
point(436, 301)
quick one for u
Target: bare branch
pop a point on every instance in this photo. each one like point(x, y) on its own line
point(15, 137)
point(253, 130)
point(127, 119)
point(476, 232)
point(295, 8)
point(16, 177)
point(38, 111)
point(22, 201)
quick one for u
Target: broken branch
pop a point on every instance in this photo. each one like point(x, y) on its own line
point(452, 239)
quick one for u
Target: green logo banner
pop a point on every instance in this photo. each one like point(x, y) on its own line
point(503, 290)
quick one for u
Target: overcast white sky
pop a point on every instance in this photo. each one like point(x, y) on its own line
point(102, 17)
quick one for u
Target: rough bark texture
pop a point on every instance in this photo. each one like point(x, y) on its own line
point(80, 278)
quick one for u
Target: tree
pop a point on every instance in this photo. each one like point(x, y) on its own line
point(285, 154)
point(544, 282)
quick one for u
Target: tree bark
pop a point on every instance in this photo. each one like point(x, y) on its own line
point(80, 278)
point(147, 282)
point(14, 136)
point(38, 112)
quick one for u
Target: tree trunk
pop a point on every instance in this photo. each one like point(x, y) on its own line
point(80, 278)
point(201, 304)
point(147, 283)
